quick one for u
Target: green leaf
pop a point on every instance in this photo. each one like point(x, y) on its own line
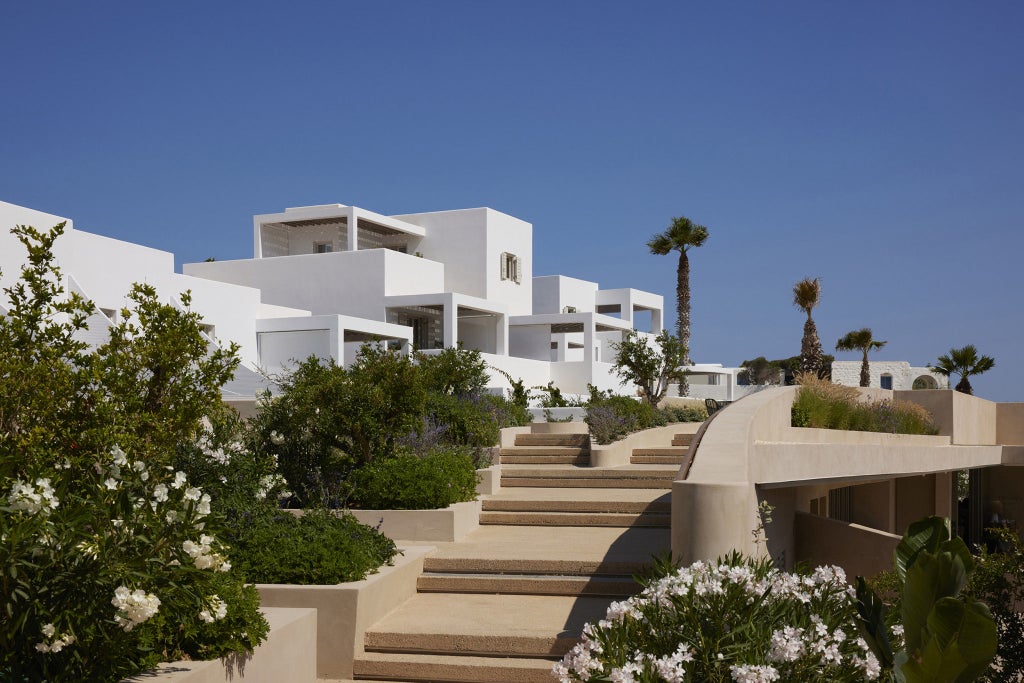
point(929, 578)
point(871, 623)
point(924, 534)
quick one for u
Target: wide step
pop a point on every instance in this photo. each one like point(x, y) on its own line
point(527, 584)
point(682, 439)
point(422, 668)
point(575, 519)
point(580, 440)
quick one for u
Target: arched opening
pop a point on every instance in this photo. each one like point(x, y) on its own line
point(925, 382)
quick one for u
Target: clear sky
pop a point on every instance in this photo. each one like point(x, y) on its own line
point(876, 145)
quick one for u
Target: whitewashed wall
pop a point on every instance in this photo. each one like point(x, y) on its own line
point(903, 374)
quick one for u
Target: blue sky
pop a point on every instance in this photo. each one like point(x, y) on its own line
point(876, 145)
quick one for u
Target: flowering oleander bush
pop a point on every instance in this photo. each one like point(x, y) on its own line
point(111, 558)
point(736, 619)
point(820, 403)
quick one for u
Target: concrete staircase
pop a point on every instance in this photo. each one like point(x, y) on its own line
point(556, 546)
point(677, 454)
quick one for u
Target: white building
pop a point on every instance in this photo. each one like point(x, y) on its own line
point(888, 374)
point(325, 279)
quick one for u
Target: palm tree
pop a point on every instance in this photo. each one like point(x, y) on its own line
point(806, 295)
point(680, 236)
point(860, 340)
point(965, 362)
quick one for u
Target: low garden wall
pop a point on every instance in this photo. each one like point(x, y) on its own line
point(344, 611)
point(288, 654)
point(860, 550)
point(618, 452)
point(444, 525)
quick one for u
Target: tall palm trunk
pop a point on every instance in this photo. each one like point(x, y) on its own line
point(810, 348)
point(865, 370)
point(683, 314)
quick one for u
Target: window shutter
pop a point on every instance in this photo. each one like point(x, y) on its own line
point(503, 265)
point(519, 269)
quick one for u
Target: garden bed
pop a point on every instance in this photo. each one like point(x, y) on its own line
point(344, 611)
point(288, 654)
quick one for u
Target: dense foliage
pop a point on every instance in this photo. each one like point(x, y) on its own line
point(111, 558)
point(611, 417)
point(407, 481)
point(820, 403)
point(997, 580)
point(965, 362)
point(336, 430)
point(736, 619)
point(317, 547)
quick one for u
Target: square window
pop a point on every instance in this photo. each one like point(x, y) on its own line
point(323, 247)
point(511, 267)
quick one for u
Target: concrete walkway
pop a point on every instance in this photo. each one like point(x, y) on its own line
point(557, 544)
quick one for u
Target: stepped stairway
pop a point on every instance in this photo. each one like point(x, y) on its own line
point(556, 546)
point(677, 454)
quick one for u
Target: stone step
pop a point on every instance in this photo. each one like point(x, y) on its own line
point(485, 625)
point(545, 450)
point(677, 451)
point(449, 669)
point(633, 501)
point(682, 439)
point(582, 440)
point(562, 482)
point(583, 477)
point(579, 460)
point(563, 551)
point(527, 584)
point(658, 459)
point(536, 518)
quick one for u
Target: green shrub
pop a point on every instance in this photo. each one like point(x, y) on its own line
point(318, 547)
point(735, 619)
point(409, 482)
point(610, 418)
point(111, 560)
point(820, 403)
point(468, 419)
point(453, 370)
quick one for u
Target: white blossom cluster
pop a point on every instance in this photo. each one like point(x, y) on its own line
point(215, 610)
point(53, 644)
point(33, 498)
point(133, 607)
point(203, 556)
point(705, 588)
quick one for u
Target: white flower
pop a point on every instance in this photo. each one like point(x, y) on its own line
point(48, 630)
point(749, 673)
point(193, 493)
point(179, 480)
point(276, 438)
point(217, 609)
point(38, 498)
point(171, 516)
point(119, 457)
point(111, 483)
point(133, 607)
point(160, 493)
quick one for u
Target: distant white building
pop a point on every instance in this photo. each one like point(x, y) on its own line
point(325, 279)
point(888, 374)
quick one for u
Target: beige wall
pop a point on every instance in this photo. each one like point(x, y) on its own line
point(858, 550)
point(915, 498)
point(871, 505)
point(1010, 423)
point(968, 419)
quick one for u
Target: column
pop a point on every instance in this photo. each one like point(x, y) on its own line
point(353, 228)
point(589, 332)
point(451, 322)
point(501, 334)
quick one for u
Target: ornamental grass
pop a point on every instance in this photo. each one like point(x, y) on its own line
point(822, 404)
